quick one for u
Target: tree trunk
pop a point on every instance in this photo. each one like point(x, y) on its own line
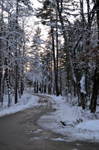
point(35, 87)
point(0, 74)
point(45, 88)
point(16, 84)
point(22, 87)
point(49, 89)
point(60, 78)
point(95, 91)
point(16, 65)
point(1, 34)
point(55, 69)
point(57, 50)
point(0, 69)
point(96, 75)
point(7, 77)
point(69, 62)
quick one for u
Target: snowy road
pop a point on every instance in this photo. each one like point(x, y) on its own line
point(20, 131)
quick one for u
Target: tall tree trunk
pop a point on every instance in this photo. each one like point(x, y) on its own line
point(16, 65)
point(96, 75)
point(7, 61)
point(1, 34)
point(0, 70)
point(55, 69)
point(51, 71)
point(95, 91)
point(60, 78)
point(87, 85)
point(65, 41)
point(7, 74)
point(7, 77)
point(35, 87)
point(57, 46)
point(22, 74)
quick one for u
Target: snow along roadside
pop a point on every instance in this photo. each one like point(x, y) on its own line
point(26, 101)
point(71, 121)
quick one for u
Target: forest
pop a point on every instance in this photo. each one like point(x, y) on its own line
point(52, 48)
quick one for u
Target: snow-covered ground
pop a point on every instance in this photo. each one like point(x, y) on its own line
point(26, 101)
point(71, 121)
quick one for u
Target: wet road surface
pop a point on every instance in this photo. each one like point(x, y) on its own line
point(20, 131)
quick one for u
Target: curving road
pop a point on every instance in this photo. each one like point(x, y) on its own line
point(20, 131)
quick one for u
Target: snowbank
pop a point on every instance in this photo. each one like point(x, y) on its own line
point(91, 125)
point(26, 101)
point(72, 121)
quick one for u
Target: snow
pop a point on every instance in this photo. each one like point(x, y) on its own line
point(82, 84)
point(26, 101)
point(71, 122)
point(91, 125)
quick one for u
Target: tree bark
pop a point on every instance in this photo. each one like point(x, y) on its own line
point(96, 75)
point(1, 34)
point(0, 71)
point(95, 91)
point(16, 65)
point(57, 44)
point(55, 69)
point(35, 87)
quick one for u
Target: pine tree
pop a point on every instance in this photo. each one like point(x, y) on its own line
point(48, 15)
